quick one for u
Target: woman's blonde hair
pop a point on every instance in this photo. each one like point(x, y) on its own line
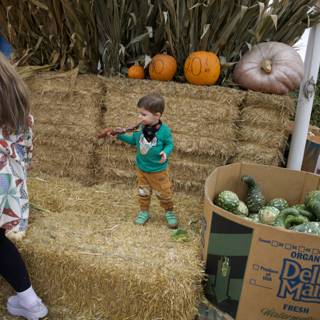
point(14, 98)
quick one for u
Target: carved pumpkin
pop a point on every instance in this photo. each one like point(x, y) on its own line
point(270, 67)
point(202, 67)
point(162, 67)
point(136, 72)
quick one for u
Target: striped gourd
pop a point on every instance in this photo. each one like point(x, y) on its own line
point(242, 209)
point(278, 203)
point(268, 215)
point(255, 199)
point(227, 200)
point(309, 227)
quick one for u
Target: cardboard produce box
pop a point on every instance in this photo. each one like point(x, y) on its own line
point(256, 271)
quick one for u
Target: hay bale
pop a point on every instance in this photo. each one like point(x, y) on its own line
point(262, 136)
point(255, 153)
point(84, 252)
point(262, 117)
point(184, 90)
point(262, 131)
point(68, 111)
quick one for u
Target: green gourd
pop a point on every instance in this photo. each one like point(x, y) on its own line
point(299, 206)
point(254, 217)
point(309, 227)
point(290, 217)
point(227, 200)
point(255, 199)
point(304, 212)
point(292, 221)
point(278, 203)
point(268, 215)
point(242, 209)
point(311, 195)
point(312, 203)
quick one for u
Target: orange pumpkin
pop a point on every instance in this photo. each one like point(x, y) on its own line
point(136, 72)
point(202, 68)
point(162, 67)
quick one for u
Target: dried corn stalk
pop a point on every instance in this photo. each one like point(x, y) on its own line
point(117, 33)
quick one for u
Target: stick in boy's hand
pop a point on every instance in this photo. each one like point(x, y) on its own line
point(109, 132)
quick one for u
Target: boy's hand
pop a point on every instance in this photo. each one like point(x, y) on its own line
point(163, 157)
point(109, 132)
point(105, 133)
point(118, 130)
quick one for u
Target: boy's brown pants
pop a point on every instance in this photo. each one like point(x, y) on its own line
point(160, 183)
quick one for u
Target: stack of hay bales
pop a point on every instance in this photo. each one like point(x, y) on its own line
point(84, 252)
point(262, 134)
point(211, 126)
point(82, 249)
point(68, 111)
point(202, 120)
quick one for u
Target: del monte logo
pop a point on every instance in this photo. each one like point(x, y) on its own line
point(298, 283)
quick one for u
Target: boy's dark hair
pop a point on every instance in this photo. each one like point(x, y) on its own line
point(152, 102)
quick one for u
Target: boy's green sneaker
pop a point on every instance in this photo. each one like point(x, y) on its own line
point(171, 220)
point(142, 218)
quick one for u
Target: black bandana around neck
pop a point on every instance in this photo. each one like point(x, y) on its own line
point(149, 132)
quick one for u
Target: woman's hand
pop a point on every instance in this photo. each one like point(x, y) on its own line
point(30, 121)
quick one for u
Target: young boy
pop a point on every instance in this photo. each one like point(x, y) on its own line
point(154, 145)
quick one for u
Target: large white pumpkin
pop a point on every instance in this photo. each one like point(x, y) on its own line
point(270, 67)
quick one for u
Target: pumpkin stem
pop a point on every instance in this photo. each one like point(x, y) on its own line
point(266, 65)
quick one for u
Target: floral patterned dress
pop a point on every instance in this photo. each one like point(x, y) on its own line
point(15, 157)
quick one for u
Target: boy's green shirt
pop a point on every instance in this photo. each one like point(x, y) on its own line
point(150, 162)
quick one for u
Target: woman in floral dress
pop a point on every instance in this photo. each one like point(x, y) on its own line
point(15, 157)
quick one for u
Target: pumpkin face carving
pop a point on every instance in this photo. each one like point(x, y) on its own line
point(162, 67)
point(270, 67)
point(202, 68)
point(136, 72)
